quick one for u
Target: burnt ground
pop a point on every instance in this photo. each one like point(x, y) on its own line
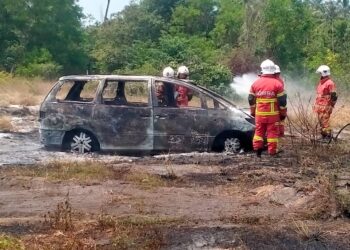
point(55, 200)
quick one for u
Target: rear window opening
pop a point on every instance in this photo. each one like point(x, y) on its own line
point(77, 91)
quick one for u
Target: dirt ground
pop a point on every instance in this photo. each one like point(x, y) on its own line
point(56, 200)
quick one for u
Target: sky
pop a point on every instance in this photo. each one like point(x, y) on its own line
point(97, 8)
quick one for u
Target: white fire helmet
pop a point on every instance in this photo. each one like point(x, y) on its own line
point(169, 72)
point(324, 70)
point(183, 70)
point(277, 70)
point(268, 67)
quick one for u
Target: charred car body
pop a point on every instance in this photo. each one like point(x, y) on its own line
point(133, 113)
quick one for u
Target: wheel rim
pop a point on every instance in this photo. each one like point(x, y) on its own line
point(81, 143)
point(232, 145)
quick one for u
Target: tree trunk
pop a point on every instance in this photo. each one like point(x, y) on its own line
point(106, 14)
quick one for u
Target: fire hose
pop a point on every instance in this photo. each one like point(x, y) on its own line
point(335, 138)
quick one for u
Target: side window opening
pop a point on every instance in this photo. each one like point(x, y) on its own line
point(165, 93)
point(173, 95)
point(126, 93)
point(194, 99)
point(213, 104)
point(79, 91)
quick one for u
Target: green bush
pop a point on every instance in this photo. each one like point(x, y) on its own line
point(7, 242)
point(47, 70)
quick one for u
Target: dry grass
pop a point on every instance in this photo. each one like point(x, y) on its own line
point(306, 233)
point(61, 218)
point(5, 124)
point(140, 232)
point(62, 171)
point(146, 180)
point(340, 116)
point(301, 119)
point(21, 91)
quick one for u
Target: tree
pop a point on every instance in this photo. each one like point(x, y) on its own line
point(114, 41)
point(163, 8)
point(194, 17)
point(228, 22)
point(288, 24)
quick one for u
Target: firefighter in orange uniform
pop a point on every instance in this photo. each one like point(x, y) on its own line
point(268, 104)
point(278, 77)
point(182, 97)
point(325, 100)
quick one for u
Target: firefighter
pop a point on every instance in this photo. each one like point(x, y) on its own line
point(268, 104)
point(278, 74)
point(278, 77)
point(169, 72)
point(160, 88)
point(183, 95)
point(325, 100)
point(183, 73)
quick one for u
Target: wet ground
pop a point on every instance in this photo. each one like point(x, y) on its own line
point(171, 201)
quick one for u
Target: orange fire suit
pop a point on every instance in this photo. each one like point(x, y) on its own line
point(268, 103)
point(324, 104)
point(182, 96)
point(282, 123)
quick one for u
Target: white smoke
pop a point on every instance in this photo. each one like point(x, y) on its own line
point(298, 90)
point(241, 84)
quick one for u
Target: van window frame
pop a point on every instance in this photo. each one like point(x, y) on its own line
point(53, 94)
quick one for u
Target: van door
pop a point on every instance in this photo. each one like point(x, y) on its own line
point(179, 126)
point(125, 116)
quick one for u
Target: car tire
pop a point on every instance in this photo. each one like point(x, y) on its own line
point(233, 145)
point(82, 142)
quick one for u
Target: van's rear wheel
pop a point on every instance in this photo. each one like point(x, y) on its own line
point(82, 142)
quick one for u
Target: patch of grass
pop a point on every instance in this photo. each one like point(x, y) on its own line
point(141, 232)
point(5, 124)
point(341, 115)
point(142, 221)
point(146, 180)
point(308, 234)
point(10, 243)
point(61, 218)
point(137, 232)
point(343, 197)
point(63, 171)
point(249, 220)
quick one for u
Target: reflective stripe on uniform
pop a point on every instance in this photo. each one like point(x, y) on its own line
point(272, 102)
point(272, 139)
point(267, 113)
point(266, 100)
point(257, 138)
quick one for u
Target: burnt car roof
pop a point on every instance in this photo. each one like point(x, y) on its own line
point(102, 77)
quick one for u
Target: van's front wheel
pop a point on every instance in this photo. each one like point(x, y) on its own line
point(82, 142)
point(233, 145)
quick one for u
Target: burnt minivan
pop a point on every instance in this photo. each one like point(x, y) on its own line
point(140, 113)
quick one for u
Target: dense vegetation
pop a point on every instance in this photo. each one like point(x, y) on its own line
point(215, 38)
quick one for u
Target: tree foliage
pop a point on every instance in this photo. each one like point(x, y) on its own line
point(214, 38)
